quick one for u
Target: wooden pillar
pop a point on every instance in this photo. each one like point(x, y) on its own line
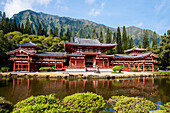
point(143, 66)
point(128, 65)
point(152, 67)
point(41, 64)
point(123, 65)
point(70, 62)
point(28, 66)
point(14, 66)
point(103, 63)
point(108, 62)
point(48, 63)
point(138, 66)
point(84, 62)
point(62, 62)
point(55, 65)
point(76, 62)
point(134, 65)
point(18, 66)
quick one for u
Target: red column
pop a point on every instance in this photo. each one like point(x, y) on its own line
point(128, 65)
point(138, 66)
point(70, 62)
point(143, 66)
point(14, 66)
point(18, 66)
point(28, 66)
point(134, 65)
point(123, 65)
point(76, 62)
point(103, 63)
point(84, 61)
point(48, 63)
point(108, 62)
point(55, 65)
point(152, 67)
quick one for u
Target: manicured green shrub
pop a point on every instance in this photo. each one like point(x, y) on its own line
point(167, 106)
point(4, 69)
point(40, 104)
point(84, 103)
point(46, 69)
point(125, 104)
point(5, 106)
point(117, 68)
point(168, 67)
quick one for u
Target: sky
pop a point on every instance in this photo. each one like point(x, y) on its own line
point(145, 14)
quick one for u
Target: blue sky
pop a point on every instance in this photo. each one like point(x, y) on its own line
point(146, 14)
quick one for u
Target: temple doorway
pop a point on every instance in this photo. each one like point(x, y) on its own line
point(89, 61)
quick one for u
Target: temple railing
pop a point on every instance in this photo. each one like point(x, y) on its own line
point(138, 61)
point(16, 58)
point(51, 60)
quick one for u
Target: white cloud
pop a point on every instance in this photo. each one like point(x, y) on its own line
point(97, 11)
point(2, 3)
point(140, 24)
point(93, 12)
point(14, 6)
point(90, 1)
point(61, 5)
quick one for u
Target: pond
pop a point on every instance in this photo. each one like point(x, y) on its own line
point(154, 89)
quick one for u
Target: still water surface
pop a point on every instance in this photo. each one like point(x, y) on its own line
point(154, 89)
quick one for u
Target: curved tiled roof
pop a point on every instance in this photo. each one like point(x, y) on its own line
point(133, 57)
point(51, 54)
point(28, 44)
point(135, 49)
point(19, 49)
point(89, 42)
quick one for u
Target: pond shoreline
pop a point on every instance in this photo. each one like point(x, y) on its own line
point(81, 75)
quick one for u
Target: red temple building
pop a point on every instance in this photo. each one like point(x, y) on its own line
point(80, 55)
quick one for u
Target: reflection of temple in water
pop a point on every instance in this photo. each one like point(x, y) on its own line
point(23, 88)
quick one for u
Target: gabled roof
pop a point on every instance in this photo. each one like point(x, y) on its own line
point(29, 44)
point(16, 50)
point(89, 42)
point(135, 49)
point(61, 54)
point(119, 56)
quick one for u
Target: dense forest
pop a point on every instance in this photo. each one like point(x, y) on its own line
point(12, 33)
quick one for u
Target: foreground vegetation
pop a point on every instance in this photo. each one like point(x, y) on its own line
point(81, 102)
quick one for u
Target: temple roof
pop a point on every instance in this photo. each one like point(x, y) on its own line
point(135, 49)
point(29, 44)
point(89, 42)
point(18, 50)
point(133, 57)
point(63, 54)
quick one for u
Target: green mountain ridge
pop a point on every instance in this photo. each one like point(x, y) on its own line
point(78, 27)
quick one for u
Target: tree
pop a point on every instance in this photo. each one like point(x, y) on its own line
point(163, 51)
point(118, 40)
point(39, 32)
point(108, 36)
point(28, 27)
point(56, 31)
point(125, 41)
point(131, 43)
point(14, 25)
point(18, 27)
point(22, 28)
point(101, 37)
point(51, 32)
point(154, 40)
point(68, 35)
point(114, 38)
point(94, 34)
point(61, 32)
point(139, 44)
point(145, 39)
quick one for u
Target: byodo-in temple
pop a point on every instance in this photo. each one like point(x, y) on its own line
point(80, 55)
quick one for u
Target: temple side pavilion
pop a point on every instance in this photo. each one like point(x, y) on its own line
point(80, 55)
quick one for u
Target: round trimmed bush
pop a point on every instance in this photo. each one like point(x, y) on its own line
point(40, 104)
point(117, 68)
point(125, 104)
point(84, 102)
